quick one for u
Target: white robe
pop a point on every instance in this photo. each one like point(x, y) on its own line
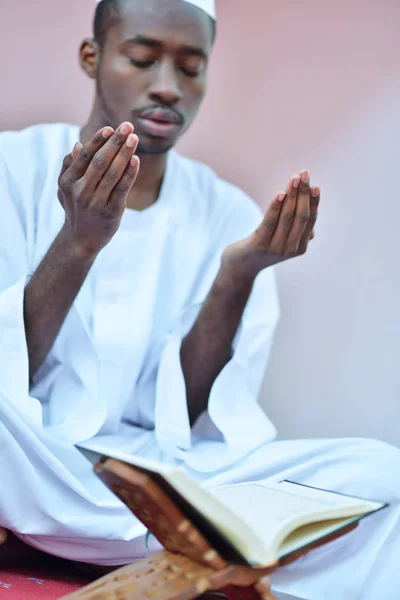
point(115, 372)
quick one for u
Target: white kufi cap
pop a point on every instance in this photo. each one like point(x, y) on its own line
point(207, 5)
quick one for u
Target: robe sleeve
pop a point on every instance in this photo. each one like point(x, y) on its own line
point(15, 236)
point(234, 424)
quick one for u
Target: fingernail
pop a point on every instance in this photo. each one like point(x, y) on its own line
point(124, 129)
point(76, 149)
point(134, 161)
point(315, 192)
point(107, 132)
point(130, 142)
point(305, 177)
point(296, 182)
point(281, 196)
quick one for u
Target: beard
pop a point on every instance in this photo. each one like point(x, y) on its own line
point(109, 117)
point(153, 149)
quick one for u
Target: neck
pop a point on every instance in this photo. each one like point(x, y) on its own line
point(146, 190)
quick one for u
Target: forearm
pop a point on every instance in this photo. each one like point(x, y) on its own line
point(49, 296)
point(208, 347)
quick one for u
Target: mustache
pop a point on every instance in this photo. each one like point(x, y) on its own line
point(175, 113)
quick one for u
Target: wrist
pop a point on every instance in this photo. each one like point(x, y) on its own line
point(76, 251)
point(238, 268)
point(232, 276)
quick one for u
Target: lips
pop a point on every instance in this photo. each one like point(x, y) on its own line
point(160, 122)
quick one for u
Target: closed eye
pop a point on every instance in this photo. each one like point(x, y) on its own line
point(142, 64)
point(146, 64)
point(190, 73)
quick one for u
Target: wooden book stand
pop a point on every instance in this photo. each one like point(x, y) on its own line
point(187, 568)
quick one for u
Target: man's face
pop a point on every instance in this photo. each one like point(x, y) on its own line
point(153, 70)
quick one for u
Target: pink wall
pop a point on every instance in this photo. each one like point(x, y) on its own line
point(294, 84)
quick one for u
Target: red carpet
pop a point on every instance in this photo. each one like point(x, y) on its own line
point(48, 580)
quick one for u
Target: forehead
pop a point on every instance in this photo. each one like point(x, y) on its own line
point(167, 21)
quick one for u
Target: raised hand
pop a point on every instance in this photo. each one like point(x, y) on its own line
point(94, 184)
point(284, 233)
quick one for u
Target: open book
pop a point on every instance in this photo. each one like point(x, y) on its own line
point(257, 524)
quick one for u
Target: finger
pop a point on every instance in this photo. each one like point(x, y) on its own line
point(104, 157)
point(278, 242)
point(3, 535)
point(86, 152)
point(266, 230)
point(264, 588)
point(68, 160)
point(116, 170)
point(75, 150)
point(301, 215)
point(309, 234)
point(117, 201)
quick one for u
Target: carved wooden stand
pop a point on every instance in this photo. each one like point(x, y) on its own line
point(187, 568)
point(168, 576)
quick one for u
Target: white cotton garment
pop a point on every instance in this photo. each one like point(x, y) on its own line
point(207, 5)
point(114, 373)
point(118, 351)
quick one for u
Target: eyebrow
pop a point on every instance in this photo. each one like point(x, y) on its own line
point(152, 43)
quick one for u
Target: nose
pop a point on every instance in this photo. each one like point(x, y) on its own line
point(165, 87)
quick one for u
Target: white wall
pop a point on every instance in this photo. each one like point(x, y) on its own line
point(294, 84)
point(336, 365)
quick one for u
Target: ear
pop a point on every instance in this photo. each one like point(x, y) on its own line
point(89, 53)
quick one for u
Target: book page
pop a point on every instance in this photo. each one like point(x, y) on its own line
point(308, 534)
point(269, 508)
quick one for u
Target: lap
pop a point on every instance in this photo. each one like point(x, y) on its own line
point(352, 466)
